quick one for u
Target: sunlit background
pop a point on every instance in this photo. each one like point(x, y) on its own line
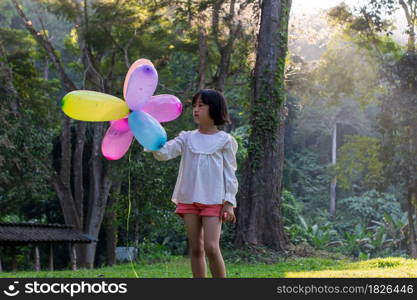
point(314, 7)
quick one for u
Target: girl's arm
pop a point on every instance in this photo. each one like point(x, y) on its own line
point(229, 168)
point(171, 149)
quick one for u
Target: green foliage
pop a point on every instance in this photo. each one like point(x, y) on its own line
point(398, 123)
point(357, 241)
point(308, 179)
point(359, 160)
point(151, 252)
point(241, 134)
point(371, 206)
point(375, 240)
point(291, 208)
point(298, 229)
point(6, 14)
point(294, 223)
point(22, 253)
point(26, 140)
point(152, 211)
point(318, 236)
point(346, 86)
point(368, 226)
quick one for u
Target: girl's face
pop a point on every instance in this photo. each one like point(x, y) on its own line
point(201, 113)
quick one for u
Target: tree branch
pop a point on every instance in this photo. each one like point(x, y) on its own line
point(215, 22)
point(46, 44)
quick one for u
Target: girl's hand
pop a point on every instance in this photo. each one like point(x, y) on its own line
point(227, 213)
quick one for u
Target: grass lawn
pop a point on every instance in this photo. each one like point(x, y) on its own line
point(179, 267)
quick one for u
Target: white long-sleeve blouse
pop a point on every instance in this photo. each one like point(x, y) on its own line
point(207, 168)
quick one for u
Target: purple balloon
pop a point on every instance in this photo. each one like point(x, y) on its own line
point(163, 107)
point(141, 86)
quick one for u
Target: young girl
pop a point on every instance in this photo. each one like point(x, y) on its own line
point(206, 187)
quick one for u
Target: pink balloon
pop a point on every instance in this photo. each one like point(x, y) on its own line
point(116, 142)
point(141, 86)
point(163, 107)
point(136, 64)
point(121, 125)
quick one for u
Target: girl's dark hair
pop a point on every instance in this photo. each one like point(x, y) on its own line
point(217, 105)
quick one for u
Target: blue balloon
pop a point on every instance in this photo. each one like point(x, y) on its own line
point(147, 130)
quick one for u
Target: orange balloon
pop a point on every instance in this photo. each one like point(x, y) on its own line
point(136, 64)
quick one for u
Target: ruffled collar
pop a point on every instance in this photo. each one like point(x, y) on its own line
point(212, 142)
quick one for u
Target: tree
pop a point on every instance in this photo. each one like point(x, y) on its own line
point(27, 129)
point(259, 218)
point(397, 121)
point(334, 96)
point(218, 26)
point(359, 160)
point(375, 12)
point(83, 179)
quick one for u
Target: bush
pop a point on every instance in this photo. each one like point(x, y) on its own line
point(152, 252)
point(368, 226)
point(369, 207)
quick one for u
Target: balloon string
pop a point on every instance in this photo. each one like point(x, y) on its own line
point(129, 209)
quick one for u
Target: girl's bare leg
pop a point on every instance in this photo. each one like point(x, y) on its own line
point(193, 225)
point(212, 229)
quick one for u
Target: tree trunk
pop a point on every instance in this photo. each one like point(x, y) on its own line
point(111, 227)
point(332, 209)
point(99, 185)
point(259, 218)
point(203, 56)
point(410, 14)
point(78, 172)
point(225, 49)
point(409, 8)
point(71, 196)
point(411, 198)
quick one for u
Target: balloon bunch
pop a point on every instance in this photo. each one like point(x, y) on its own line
point(144, 120)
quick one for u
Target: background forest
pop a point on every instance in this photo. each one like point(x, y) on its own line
point(349, 175)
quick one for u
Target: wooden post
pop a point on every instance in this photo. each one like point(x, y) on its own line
point(51, 257)
point(14, 262)
point(37, 259)
point(73, 257)
point(332, 208)
point(1, 268)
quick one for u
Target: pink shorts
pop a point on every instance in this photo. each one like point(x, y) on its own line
point(206, 210)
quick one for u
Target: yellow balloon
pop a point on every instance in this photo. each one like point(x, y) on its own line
point(93, 106)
